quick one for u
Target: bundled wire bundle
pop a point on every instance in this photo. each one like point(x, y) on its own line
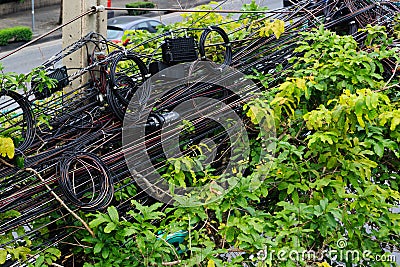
point(73, 139)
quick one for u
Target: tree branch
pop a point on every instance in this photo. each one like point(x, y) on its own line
point(6, 163)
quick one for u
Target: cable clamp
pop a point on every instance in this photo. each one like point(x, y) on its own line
point(98, 8)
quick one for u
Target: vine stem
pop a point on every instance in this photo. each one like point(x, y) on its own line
point(171, 263)
point(6, 163)
point(62, 202)
point(176, 254)
point(190, 238)
point(391, 78)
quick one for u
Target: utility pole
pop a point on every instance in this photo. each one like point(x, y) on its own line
point(33, 16)
point(96, 22)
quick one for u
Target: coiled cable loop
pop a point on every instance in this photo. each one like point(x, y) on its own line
point(84, 176)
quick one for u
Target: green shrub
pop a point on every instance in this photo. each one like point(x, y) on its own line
point(139, 5)
point(15, 34)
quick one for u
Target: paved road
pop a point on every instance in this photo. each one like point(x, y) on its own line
point(31, 57)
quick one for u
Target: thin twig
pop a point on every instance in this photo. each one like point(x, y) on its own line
point(391, 77)
point(176, 255)
point(171, 263)
point(6, 163)
point(76, 245)
point(387, 88)
point(62, 202)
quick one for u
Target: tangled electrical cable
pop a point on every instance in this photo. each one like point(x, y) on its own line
point(73, 178)
point(78, 149)
point(228, 49)
point(27, 132)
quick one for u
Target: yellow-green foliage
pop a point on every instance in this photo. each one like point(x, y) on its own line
point(196, 22)
point(7, 147)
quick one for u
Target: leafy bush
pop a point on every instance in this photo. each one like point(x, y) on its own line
point(139, 5)
point(23, 250)
point(138, 40)
point(331, 187)
point(15, 34)
point(121, 242)
point(10, 136)
point(334, 178)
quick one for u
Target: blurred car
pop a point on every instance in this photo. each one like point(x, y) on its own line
point(118, 25)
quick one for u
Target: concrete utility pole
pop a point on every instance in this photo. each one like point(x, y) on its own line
point(71, 33)
point(33, 16)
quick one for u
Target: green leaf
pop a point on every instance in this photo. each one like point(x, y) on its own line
point(323, 203)
point(105, 252)
point(20, 162)
point(39, 261)
point(230, 234)
point(3, 256)
point(290, 188)
point(318, 211)
point(98, 247)
point(180, 178)
point(99, 220)
point(379, 149)
point(331, 220)
point(395, 122)
point(331, 163)
point(48, 261)
point(10, 214)
point(177, 166)
point(20, 252)
point(110, 227)
point(295, 197)
point(54, 252)
point(113, 213)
